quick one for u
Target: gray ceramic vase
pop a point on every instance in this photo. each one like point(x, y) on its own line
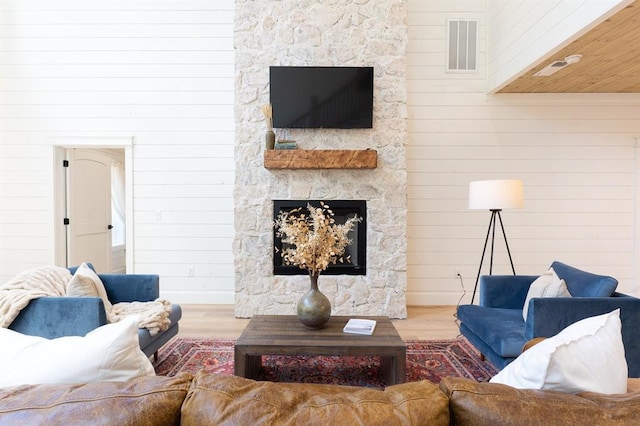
point(270, 139)
point(314, 309)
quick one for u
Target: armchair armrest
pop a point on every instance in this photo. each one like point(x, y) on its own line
point(131, 287)
point(53, 317)
point(550, 315)
point(505, 291)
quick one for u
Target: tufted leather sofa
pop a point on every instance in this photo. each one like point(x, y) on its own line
point(209, 399)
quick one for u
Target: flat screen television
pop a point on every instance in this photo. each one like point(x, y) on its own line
point(321, 97)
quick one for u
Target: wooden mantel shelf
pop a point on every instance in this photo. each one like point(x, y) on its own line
point(320, 159)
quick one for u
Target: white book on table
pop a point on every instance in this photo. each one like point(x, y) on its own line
point(360, 326)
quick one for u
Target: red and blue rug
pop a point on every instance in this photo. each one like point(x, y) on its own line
point(426, 360)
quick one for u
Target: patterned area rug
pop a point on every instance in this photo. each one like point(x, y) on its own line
point(431, 360)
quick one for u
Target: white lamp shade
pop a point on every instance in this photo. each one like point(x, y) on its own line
point(496, 194)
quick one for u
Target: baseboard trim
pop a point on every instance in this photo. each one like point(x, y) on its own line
point(199, 297)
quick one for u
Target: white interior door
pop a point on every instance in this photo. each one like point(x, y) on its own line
point(89, 208)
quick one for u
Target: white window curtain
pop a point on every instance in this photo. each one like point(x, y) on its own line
point(117, 204)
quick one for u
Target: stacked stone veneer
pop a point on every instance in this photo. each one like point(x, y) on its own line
point(321, 33)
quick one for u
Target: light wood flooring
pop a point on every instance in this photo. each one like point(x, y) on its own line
point(219, 321)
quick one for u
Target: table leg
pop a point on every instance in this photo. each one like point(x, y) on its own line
point(254, 363)
point(239, 362)
point(245, 365)
point(394, 368)
point(401, 366)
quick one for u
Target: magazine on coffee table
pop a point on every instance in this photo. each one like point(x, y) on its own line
point(360, 326)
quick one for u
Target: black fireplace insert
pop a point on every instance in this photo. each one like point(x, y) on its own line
point(343, 209)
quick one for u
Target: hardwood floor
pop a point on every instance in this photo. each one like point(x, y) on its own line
point(218, 321)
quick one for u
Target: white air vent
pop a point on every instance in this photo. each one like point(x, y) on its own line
point(463, 45)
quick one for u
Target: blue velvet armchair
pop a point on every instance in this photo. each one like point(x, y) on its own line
point(52, 317)
point(496, 326)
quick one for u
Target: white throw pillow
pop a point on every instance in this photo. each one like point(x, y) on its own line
point(546, 285)
point(108, 353)
point(86, 283)
point(586, 356)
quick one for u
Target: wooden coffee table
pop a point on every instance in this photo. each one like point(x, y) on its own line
point(285, 335)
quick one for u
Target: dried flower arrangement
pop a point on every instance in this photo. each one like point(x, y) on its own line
point(267, 110)
point(316, 240)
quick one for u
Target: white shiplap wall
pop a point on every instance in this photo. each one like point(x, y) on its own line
point(158, 71)
point(576, 154)
point(162, 72)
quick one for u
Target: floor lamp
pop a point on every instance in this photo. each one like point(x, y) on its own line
point(495, 195)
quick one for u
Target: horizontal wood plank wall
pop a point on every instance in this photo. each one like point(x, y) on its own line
point(162, 71)
point(158, 71)
point(576, 154)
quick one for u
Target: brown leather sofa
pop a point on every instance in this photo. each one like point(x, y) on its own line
point(209, 399)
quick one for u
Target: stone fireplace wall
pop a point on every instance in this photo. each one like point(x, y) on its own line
point(321, 33)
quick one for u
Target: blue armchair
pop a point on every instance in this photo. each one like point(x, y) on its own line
point(498, 330)
point(52, 317)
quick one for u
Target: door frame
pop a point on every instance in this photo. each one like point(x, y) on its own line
point(60, 145)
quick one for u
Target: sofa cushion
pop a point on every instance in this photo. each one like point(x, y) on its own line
point(490, 404)
point(110, 352)
point(142, 401)
point(585, 284)
point(218, 399)
point(501, 329)
point(546, 285)
point(586, 356)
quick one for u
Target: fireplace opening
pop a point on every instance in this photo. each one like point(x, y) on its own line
point(343, 209)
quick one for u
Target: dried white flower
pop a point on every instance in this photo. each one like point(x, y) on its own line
point(267, 110)
point(316, 240)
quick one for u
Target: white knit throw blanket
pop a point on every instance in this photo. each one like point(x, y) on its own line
point(16, 294)
point(154, 316)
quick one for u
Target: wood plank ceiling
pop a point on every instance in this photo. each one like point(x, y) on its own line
point(610, 61)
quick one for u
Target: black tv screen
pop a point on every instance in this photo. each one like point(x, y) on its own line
point(322, 97)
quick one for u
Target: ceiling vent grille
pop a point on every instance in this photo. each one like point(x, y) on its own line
point(556, 66)
point(462, 52)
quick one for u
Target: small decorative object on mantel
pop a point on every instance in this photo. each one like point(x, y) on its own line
point(286, 144)
point(270, 137)
point(313, 241)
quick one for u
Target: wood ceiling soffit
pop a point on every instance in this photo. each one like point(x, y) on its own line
point(610, 61)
